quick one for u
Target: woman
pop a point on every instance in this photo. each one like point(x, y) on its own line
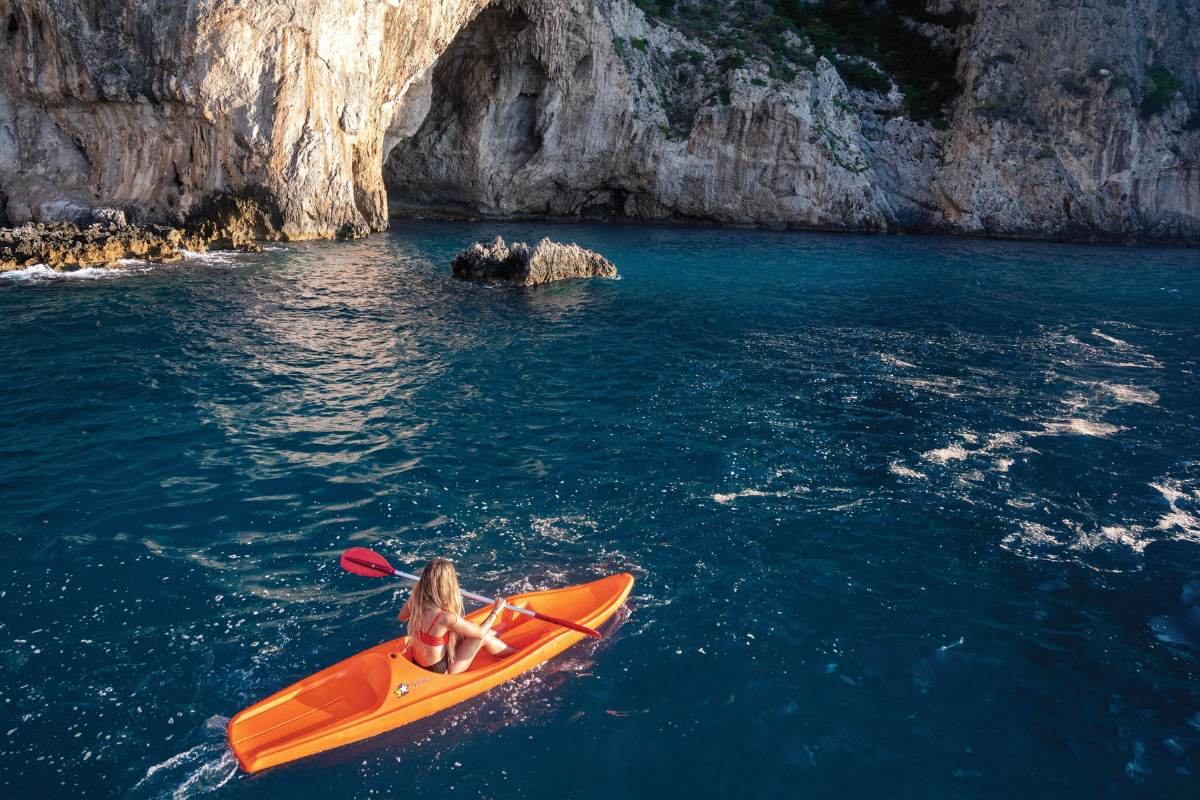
point(440, 640)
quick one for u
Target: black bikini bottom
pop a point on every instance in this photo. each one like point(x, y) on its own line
point(441, 667)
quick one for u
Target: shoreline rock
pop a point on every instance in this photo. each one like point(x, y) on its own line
point(65, 246)
point(520, 264)
point(101, 237)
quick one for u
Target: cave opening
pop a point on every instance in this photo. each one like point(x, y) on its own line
point(470, 126)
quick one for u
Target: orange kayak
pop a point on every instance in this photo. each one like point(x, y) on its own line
point(379, 689)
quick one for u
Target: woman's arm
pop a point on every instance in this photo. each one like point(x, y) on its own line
point(406, 611)
point(470, 630)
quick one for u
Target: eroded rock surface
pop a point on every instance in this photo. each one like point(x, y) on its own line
point(155, 107)
point(532, 111)
point(65, 246)
point(321, 113)
point(1058, 132)
point(521, 264)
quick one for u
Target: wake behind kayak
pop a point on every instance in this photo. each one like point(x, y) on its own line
point(379, 690)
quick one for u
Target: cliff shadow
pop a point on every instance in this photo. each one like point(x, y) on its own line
point(472, 124)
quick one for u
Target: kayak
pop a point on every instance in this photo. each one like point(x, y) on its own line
point(380, 690)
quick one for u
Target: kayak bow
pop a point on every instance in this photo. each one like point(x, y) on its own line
point(379, 690)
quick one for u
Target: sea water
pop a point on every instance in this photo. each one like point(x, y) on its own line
point(909, 517)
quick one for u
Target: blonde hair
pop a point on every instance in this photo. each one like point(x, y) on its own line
point(437, 590)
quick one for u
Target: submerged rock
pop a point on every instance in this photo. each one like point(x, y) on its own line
point(528, 266)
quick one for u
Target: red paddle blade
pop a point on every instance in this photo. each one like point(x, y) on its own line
point(566, 623)
point(367, 563)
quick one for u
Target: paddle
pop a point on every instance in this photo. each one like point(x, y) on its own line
point(370, 564)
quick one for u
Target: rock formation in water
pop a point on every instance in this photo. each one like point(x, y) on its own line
point(523, 265)
point(301, 119)
point(107, 241)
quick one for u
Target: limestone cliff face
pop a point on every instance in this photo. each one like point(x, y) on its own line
point(532, 111)
point(155, 105)
point(323, 112)
point(1053, 136)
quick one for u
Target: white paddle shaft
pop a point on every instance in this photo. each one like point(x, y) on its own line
point(478, 598)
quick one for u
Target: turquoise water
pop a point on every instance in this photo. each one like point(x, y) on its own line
point(910, 517)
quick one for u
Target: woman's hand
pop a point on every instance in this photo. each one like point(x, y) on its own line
point(494, 614)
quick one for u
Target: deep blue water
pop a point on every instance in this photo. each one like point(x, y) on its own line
point(910, 517)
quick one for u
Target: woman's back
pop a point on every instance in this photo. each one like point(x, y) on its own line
point(429, 635)
point(436, 627)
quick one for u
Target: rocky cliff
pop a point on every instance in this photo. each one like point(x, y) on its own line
point(158, 106)
point(1079, 119)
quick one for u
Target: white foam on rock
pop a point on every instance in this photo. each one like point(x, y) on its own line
point(211, 256)
point(122, 267)
point(40, 272)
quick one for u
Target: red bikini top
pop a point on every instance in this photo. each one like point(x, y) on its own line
point(428, 638)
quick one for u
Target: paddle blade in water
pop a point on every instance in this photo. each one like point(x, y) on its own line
point(367, 563)
point(566, 623)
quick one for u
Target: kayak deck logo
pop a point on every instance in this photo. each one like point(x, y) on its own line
point(403, 689)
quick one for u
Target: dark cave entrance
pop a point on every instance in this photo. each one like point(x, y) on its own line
point(467, 130)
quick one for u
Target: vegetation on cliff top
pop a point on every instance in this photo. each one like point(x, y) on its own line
point(860, 37)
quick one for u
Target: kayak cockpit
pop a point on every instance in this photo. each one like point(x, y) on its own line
point(351, 689)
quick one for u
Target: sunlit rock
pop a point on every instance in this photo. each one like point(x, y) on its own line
point(521, 264)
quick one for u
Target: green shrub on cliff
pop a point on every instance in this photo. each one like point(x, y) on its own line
point(862, 75)
point(783, 72)
point(733, 61)
point(997, 108)
point(1163, 86)
point(879, 31)
point(855, 35)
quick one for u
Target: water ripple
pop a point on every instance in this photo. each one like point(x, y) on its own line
point(903, 512)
